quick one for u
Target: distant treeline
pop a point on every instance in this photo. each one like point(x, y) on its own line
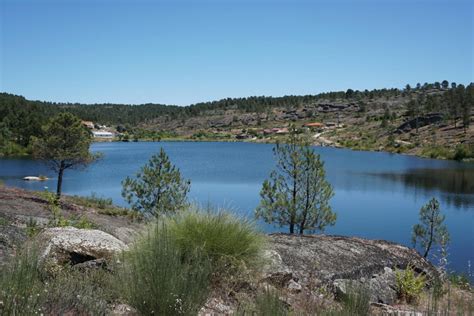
point(20, 118)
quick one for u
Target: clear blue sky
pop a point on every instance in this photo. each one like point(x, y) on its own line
point(181, 52)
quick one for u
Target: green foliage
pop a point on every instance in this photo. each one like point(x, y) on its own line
point(158, 188)
point(463, 152)
point(228, 241)
point(436, 152)
point(160, 279)
point(64, 144)
point(297, 193)
point(21, 290)
point(431, 230)
point(409, 285)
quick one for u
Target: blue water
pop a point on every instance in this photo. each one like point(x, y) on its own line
point(377, 195)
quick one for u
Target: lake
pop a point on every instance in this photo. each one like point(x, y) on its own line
point(377, 195)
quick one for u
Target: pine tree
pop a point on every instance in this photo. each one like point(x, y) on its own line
point(158, 188)
point(64, 144)
point(431, 231)
point(297, 193)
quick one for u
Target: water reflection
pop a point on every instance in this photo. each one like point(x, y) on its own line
point(456, 185)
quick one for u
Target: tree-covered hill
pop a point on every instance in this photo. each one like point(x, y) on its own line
point(21, 118)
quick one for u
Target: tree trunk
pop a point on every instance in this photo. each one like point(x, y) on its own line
point(427, 250)
point(60, 180)
point(292, 228)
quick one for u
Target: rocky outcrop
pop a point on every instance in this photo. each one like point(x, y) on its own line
point(20, 207)
point(420, 122)
point(83, 247)
point(338, 262)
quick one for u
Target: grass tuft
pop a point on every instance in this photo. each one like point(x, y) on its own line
point(229, 241)
point(161, 279)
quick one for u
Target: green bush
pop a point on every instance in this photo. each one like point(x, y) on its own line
point(229, 241)
point(158, 278)
point(409, 286)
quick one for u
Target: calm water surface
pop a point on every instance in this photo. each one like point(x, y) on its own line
point(378, 195)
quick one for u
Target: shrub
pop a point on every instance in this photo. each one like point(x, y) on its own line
point(229, 241)
point(409, 286)
point(32, 228)
point(161, 279)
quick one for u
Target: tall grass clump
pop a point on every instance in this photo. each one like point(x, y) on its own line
point(26, 290)
point(269, 304)
point(266, 303)
point(158, 278)
point(21, 290)
point(229, 241)
point(356, 301)
point(76, 292)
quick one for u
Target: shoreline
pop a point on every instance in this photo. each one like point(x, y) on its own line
point(267, 141)
point(254, 141)
point(273, 141)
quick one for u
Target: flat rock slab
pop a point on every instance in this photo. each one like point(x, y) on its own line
point(335, 260)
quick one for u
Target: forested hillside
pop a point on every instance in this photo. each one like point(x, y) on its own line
point(364, 117)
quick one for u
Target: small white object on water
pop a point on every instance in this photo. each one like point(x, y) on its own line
point(33, 178)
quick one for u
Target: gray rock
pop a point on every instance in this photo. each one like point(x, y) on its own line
point(275, 271)
point(67, 245)
point(380, 287)
point(336, 261)
point(294, 286)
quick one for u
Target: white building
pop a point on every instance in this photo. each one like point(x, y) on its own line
point(103, 134)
